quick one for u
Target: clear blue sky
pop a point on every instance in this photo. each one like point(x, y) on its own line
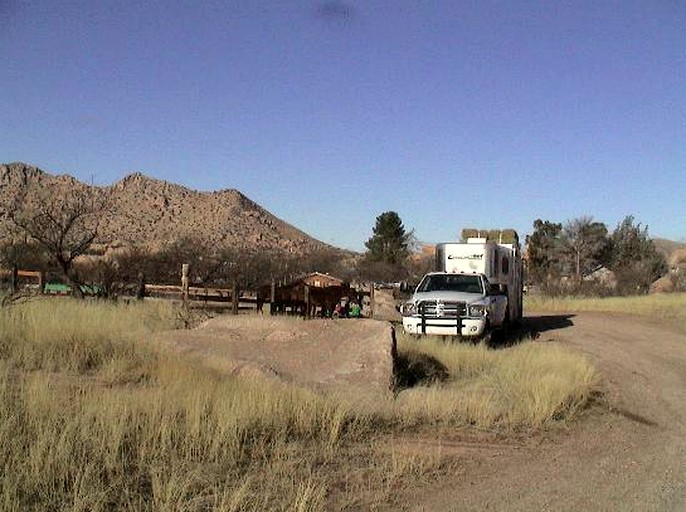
point(327, 113)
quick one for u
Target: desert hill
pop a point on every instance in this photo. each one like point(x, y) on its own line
point(674, 252)
point(150, 213)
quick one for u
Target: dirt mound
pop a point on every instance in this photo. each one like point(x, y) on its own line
point(326, 355)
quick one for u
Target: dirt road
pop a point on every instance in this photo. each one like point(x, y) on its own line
point(628, 453)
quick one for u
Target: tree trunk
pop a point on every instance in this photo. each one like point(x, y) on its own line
point(578, 268)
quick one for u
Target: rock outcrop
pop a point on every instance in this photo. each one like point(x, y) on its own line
point(324, 355)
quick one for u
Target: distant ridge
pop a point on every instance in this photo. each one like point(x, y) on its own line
point(151, 213)
point(674, 252)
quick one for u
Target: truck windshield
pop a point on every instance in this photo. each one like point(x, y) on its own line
point(451, 283)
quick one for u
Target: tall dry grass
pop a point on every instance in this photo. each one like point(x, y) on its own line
point(172, 446)
point(80, 336)
point(102, 420)
point(669, 307)
point(523, 386)
point(95, 417)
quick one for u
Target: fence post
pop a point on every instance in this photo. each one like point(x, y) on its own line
point(234, 298)
point(41, 280)
point(371, 301)
point(307, 301)
point(15, 278)
point(272, 297)
point(140, 292)
point(184, 283)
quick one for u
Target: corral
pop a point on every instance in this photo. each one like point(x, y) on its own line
point(309, 295)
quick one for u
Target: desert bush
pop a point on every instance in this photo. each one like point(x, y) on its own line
point(25, 254)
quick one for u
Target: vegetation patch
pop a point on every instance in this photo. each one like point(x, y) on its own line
point(95, 417)
point(527, 385)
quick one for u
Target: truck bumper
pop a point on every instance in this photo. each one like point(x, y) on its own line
point(466, 327)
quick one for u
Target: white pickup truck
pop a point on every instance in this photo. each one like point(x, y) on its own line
point(478, 287)
point(454, 304)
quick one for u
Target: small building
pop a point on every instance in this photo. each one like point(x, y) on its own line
point(319, 280)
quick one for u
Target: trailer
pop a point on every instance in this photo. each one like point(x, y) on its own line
point(477, 287)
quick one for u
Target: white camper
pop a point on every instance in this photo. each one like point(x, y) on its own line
point(477, 286)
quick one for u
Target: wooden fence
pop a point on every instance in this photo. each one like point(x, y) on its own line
point(17, 278)
point(35, 282)
point(294, 297)
point(199, 295)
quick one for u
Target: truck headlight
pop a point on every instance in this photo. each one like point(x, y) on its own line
point(478, 310)
point(408, 309)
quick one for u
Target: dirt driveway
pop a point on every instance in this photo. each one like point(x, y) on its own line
point(628, 453)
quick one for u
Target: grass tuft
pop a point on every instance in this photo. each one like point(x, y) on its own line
point(80, 336)
point(527, 385)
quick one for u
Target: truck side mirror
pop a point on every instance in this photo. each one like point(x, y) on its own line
point(494, 289)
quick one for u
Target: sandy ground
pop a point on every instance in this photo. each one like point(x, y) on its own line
point(626, 453)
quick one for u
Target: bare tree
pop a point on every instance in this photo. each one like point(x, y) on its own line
point(64, 221)
point(585, 242)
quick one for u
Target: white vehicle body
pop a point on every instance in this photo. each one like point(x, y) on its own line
point(477, 287)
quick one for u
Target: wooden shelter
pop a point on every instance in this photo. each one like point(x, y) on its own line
point(313, 294)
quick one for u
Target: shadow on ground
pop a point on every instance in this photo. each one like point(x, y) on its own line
point(414, 368)
point(530, 328)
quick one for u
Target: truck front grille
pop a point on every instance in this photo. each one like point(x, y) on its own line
point(442, 309)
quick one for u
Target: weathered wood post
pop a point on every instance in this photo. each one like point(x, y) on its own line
point(307, 301)
point(41, 280)
point(15, 278)
point(272, 298)
point(140, 291)
point(372, 306)
point(184, 284)
point(234, 298)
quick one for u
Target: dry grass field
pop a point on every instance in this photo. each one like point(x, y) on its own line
point(660, 307)
point(97, 417)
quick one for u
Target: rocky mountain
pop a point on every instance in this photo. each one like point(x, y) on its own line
point(142, 211)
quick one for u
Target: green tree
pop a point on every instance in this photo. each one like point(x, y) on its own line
point(388, 250)
point(543, 251)
point(390, 243)
point(634, 258)
point(584, 243)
